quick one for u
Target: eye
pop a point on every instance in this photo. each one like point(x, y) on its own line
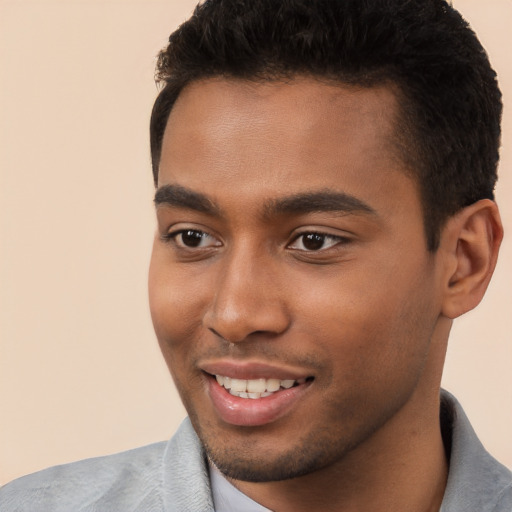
point(315, 242)
point(192, 239)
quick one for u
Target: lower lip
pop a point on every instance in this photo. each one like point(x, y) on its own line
point(248, 412)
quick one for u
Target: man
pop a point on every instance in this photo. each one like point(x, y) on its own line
point(324, 179)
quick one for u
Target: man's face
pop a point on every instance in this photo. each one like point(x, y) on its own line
point(291, 252)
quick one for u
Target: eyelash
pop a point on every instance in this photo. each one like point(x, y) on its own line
point(337, 240)
point(314, 236)
point(173, 235)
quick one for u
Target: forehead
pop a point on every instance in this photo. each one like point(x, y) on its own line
point(219, 113)
point(266, 139)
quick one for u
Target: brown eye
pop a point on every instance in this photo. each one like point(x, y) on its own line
point(193, 239)
point(311, 242)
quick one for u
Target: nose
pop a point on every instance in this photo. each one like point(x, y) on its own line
point(247, 301)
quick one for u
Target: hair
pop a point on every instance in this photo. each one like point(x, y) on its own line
point(448, 127)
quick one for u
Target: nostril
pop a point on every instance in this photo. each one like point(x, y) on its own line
point(222, 337)
point(241, 323)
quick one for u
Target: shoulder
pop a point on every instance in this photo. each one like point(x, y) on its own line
point(477, 482)
point(124, 480)
point(169, 476)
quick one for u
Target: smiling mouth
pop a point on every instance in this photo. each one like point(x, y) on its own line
point(257, 388)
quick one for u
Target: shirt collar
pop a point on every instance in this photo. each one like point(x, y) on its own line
point(227, 498)
point(476, 481)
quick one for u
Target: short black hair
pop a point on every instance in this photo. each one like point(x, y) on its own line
point(450, 103)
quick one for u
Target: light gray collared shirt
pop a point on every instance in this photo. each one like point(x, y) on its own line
point(173, 476)
point(227, 498)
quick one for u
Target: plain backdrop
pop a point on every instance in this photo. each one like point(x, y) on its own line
point(80, 371)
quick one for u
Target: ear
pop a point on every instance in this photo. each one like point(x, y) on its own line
point(471, 239)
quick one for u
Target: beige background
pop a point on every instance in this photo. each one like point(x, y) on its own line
point(80, 371)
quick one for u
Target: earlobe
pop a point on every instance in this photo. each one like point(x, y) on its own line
point(472, 239)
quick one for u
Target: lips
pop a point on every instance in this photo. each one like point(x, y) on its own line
point(254, 394)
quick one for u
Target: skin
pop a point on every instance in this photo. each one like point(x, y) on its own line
point(364, 311)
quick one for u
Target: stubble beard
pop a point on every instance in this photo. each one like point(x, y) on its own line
point(241, 463)
point(319, 449)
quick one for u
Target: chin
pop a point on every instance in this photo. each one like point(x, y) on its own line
point(250, 461)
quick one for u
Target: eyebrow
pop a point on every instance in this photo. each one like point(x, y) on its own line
point(321, 201)
point(178, 196)
point(181, 197)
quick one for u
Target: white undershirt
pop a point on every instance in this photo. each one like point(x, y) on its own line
point(227, 498)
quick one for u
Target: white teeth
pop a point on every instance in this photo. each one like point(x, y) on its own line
point(238, 385)
point(273, 384)
point(255, 388)
point(256, 385)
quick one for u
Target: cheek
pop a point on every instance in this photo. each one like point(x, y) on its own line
point(376, 321)
point(174, 307)
point(176, 322)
